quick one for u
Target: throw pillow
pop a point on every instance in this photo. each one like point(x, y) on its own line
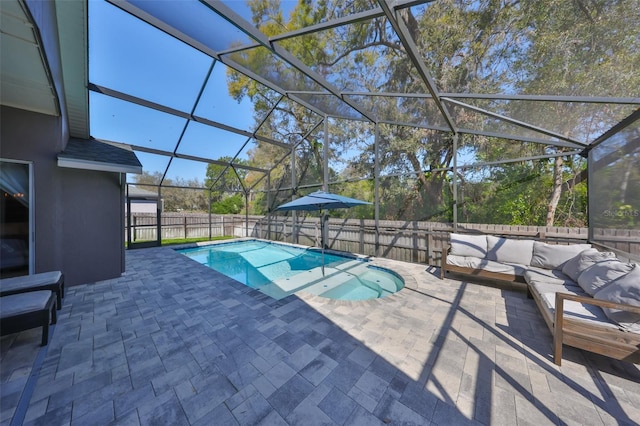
point(509, 250)
point(601, 274)
point(469, 245)
point(624, 290)
point(554, 256)
point(576, 265)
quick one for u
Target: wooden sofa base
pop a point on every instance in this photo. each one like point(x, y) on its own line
point(479, 273)
point(611, 342)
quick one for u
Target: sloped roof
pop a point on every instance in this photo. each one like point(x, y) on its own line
point(90, 154)
point(136, 192)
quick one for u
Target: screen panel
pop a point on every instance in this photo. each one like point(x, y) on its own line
point(581, 121)
point(196, 20)
point(141, 60)
point(614, 190)
point(210, 142)
point(520, 194)
point(121, 121)
point(272, 19)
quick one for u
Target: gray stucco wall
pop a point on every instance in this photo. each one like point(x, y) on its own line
point(79, 217)
point(93, 225)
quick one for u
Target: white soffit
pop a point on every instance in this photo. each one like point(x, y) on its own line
point(72, 32)
point(24, 76)
point(74, 163)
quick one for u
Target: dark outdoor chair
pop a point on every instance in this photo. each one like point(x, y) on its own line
point(52, 281)
point(24, 311)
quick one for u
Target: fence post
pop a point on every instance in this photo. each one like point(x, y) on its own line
point(414, 242)
point(184, 224)
point(429, 245)
point(361, 236)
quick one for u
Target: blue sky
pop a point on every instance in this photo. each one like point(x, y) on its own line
point(130, 56)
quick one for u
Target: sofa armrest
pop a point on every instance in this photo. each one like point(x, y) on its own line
point(443, 264)
point(558, 325)
point(560, 297)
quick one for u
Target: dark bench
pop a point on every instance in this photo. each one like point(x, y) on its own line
point(24, 311)
point(52, 281)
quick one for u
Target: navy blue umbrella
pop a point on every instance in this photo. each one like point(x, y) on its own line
point(321, 200)
point(318, 201)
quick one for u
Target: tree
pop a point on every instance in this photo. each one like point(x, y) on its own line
point(480, 46)
point(231, 204)
point(226, 185)
point(568, 41)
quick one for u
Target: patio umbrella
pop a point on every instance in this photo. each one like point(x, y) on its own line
point(318, 201)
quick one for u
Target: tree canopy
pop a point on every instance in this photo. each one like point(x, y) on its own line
point(486, 46)
point(494, 105)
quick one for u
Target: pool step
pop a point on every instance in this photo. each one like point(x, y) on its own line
point(312, 281)
point(386, 283)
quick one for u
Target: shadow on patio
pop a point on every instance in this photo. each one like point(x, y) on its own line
point(175, 342)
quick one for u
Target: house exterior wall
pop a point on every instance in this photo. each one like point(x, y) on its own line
point(93, 220)
point(78, 214)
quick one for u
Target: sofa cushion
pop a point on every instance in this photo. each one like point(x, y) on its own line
point(548, 276)
point(24, 303)
point(576, 265)
point(542, 287)
point(509, 250)
point(554, 256)
point(469, 245)
point(546, 293)
point(601, 274)
point(626, 290)
point(485, 265)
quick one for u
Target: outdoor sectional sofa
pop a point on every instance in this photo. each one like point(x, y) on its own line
point(589, 299)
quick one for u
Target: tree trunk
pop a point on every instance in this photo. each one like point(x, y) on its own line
point(557, 190)
point(625, 182)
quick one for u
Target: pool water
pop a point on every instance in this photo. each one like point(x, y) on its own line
point(279, 270)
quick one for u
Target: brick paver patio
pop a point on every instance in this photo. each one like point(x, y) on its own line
point(173, 342)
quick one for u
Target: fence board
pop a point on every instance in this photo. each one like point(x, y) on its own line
point(411, 241)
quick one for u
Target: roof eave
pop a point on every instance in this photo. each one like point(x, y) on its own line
point(75, 163)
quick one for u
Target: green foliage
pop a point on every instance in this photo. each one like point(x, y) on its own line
point(518, 194)
point(177, 194)
point(232, 204)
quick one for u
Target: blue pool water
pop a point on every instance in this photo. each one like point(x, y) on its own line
point(279, 270)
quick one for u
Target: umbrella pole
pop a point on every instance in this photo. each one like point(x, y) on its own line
point(322, 238)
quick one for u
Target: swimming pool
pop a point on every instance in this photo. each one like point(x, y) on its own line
point(280, 270)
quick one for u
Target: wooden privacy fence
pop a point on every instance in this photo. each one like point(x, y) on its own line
point(185, 225)
point(411, 241)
